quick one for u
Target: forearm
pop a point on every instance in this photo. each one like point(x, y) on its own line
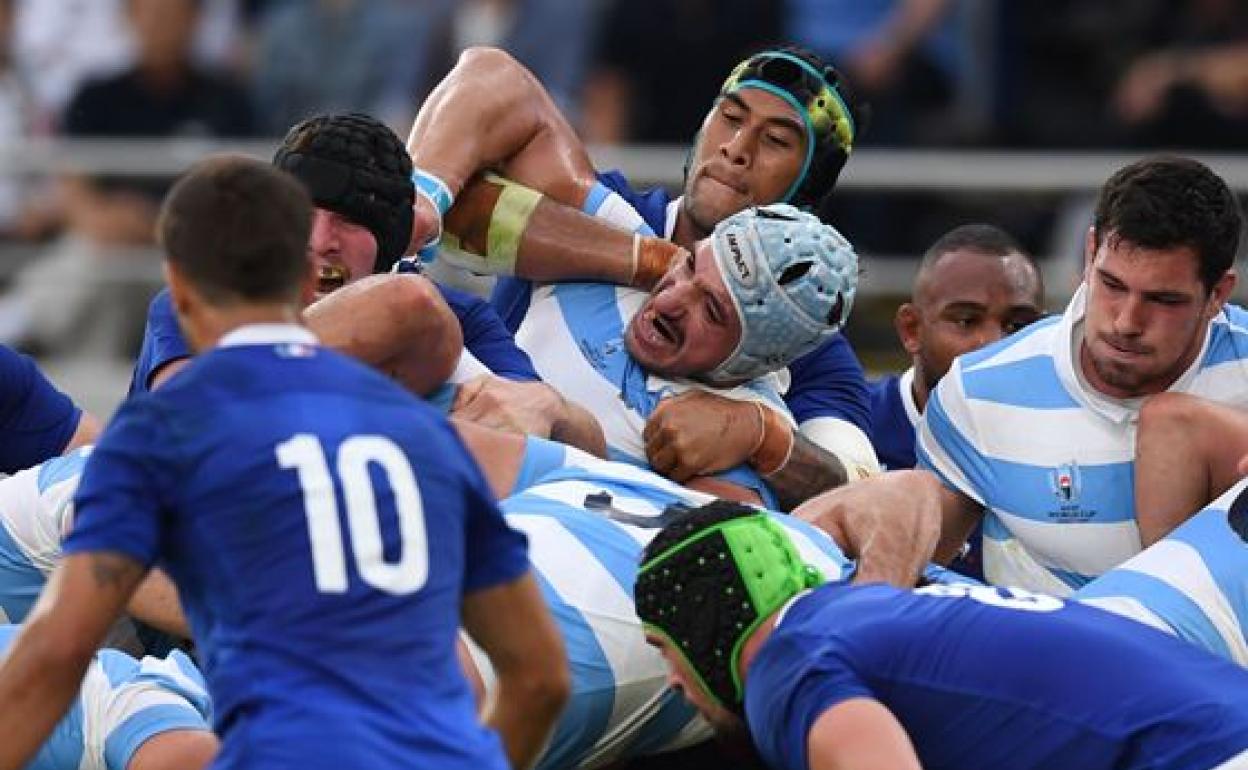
point(551, 241)
point(491, 112)
point(577, 427)
point(524, 714)
point(809, 471)
point(396, 323)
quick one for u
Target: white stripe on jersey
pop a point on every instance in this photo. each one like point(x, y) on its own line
point(1014, 427)
point(1129, 607)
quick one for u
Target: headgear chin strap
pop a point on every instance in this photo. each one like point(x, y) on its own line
point(355, 166)
point(792, 280)
point(709, 579)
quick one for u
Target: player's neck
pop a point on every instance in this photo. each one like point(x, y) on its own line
point(754, 642)
point(205, 330)
point(918, 388)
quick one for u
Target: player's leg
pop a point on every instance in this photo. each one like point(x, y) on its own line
point(1188, 452)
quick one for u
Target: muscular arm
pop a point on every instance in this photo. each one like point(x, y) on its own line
point(44, 667)
point(155, 602)
point(492, 113)
point(511, 624)
point(532, 408)
point(397, 323)
point(87, 432)
point(890, 523)
point(859, 734)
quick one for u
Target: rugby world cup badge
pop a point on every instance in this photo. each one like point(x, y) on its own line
point(1065, 482)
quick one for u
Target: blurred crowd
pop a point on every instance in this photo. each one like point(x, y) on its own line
point(938, 73)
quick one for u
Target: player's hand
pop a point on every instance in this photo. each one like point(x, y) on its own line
point(528, 408)
point(697, 433)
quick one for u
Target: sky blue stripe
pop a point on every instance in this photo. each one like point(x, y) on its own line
point(1166, 602)
point(995, 529)
point(586, 714)
point(597, 194)
point(1030, 382)
point(122, 742)
point(1226, 345)
point(614, 549)
point(1224, 553)
point(64, 747)
point(20, 581)
point(988, 351)
point(62, 468)
point(663, 727)
point(592, 316)
point(1105, 491)
point(540, 458)
point(966, 457)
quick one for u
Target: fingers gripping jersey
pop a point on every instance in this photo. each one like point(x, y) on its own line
point(586, 527)
point(36, 512)
point(123, 702)
point(1192, 584)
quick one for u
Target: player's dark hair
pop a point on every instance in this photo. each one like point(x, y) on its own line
point(978, 237)
point(237, 229)
point(1166, 202)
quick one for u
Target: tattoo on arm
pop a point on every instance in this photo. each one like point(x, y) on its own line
point(809, 471)
point(114, 572)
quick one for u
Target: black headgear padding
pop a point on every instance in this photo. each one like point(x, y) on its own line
point(354, 165)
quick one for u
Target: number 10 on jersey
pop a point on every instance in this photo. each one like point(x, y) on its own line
point(304, 454)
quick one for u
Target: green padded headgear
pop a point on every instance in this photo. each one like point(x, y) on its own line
point(709, 579)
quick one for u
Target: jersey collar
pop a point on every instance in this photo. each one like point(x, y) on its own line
point(267, 334)
point(905, 383)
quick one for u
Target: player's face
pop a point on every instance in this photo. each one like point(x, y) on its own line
point(682, 681)
point(340, 250)
point(1147, 316)
point(750, 149)
point(689, 324)
point(968, 300)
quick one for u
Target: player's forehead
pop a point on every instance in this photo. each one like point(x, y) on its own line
point(971, 275)
point(764, 106)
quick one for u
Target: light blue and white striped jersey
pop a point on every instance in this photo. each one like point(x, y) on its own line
point(1014, 427)
point(574, 333)
point(36, 512)
point(123, 703)
point(587, 524)
point(1192, 584)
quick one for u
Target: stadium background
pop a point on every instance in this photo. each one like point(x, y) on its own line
point(1011, 112)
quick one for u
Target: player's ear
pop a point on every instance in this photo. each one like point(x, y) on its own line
point(906, 322)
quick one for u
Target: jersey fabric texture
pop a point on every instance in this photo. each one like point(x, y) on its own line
point(36, 512)
point(1193, 583)
point(828, 382)
point(122, 703)
point(1013, 427)
point(484, 335)
point(982, 677)
point(246, 477)
point(894, 419)
point(587, 521)
point(36, 419)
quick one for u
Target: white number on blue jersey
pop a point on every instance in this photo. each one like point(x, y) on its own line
point(1009, 598)
point(305, 455)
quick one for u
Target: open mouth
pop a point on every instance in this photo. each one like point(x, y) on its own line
point(330, 278)
point(665, 329)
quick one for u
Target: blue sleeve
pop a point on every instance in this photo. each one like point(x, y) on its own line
point(651, 204)
point(162, 342)
point(510, 299)
point(494, 552)
point(125, 488)
point(789, 689)
point(486, 337)
point(36, 419)
point(828, 382)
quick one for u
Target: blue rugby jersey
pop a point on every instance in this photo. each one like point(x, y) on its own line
point(484, 336)
point(36, 419)
point(982, 677)
point(323, 527)
point(1013, 427)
